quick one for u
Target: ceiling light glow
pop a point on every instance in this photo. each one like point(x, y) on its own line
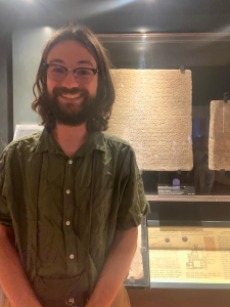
point(142, 30)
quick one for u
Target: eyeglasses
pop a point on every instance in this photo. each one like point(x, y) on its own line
point(82, 75)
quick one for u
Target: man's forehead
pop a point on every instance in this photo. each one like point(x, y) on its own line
point(70, 51)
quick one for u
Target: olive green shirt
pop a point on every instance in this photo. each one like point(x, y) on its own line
point(65, 211)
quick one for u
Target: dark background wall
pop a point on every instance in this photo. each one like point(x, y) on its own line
point(5, 89)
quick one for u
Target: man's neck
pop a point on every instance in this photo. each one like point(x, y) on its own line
point(70, 138)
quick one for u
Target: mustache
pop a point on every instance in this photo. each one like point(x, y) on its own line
point(74, 90)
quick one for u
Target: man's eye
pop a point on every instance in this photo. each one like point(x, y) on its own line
point(83, 72)
point(58, 70)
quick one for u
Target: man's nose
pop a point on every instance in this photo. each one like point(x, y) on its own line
point(70, 81)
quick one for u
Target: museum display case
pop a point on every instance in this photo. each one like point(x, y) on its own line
point(188, 187)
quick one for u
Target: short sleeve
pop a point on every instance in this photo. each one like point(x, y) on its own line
point(5, 218)
point(133, 204)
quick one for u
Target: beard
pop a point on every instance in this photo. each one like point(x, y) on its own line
point(70, 113)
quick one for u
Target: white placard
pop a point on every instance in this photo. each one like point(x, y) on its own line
point(189, 255)
point(23, 130)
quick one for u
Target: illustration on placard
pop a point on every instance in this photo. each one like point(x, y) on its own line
point(196, 259)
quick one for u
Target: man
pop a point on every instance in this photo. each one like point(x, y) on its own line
point(71, 197)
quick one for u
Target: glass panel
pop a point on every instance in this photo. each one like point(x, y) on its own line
point(207, 56)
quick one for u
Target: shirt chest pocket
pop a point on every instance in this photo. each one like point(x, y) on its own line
point(103, 181)
point(101, 184)
point(94, 175)
point(97, 191)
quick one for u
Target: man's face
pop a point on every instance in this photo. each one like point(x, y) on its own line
point(71, 82)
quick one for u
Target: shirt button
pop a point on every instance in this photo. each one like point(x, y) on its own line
point(70, 161)
point(67, 223)
point(68, 192)
point(71, 256)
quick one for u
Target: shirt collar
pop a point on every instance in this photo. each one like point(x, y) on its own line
point(96, 141)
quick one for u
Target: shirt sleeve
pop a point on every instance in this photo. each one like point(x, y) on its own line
point(5, 218)
point(133, 204)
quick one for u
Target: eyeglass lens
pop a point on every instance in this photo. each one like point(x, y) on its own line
point(58, 73)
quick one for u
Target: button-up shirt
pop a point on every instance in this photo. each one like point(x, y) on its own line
point(65, 211)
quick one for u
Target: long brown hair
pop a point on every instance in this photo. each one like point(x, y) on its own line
point(98, 120)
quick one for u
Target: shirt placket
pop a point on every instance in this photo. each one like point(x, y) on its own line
point(68, 212)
